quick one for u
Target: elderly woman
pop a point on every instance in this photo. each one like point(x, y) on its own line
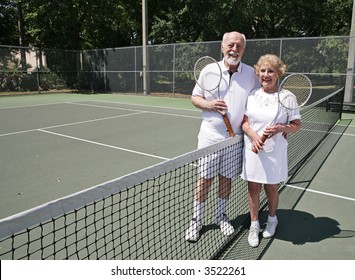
point(265, 164)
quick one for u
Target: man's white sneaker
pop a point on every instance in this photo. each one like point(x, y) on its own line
point(193, 232)
point(253, 237)
point(225, 225)
point(270, 229)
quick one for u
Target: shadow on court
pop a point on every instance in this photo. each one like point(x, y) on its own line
point(301, 227)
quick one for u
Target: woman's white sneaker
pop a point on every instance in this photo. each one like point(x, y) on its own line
point(270, 229)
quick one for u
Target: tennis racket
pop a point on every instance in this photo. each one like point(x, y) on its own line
point(210, 80)
point(293, 93)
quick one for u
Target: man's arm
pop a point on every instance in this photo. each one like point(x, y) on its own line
point(213, 105)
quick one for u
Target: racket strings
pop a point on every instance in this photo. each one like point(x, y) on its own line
point(212, 73)
point(300, 87)
point(202, 63)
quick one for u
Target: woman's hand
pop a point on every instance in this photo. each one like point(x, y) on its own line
point(257, 143)
point(272, 130)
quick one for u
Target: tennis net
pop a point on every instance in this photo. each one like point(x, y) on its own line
point(144, 215)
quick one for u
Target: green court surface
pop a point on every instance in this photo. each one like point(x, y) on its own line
point(55, 145)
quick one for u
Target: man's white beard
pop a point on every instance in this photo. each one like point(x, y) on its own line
point(232, 61)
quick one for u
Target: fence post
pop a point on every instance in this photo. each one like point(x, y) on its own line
point(349, 84)
point(280, 55)
point(174, 67)
point(38, 65)
point(146, 89)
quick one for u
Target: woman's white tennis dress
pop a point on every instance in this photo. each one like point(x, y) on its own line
point(270, 165)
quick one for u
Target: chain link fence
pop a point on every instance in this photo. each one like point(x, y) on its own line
point(328, 62)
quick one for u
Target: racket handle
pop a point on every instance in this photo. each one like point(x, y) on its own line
point(263, 139)
point(228, 125)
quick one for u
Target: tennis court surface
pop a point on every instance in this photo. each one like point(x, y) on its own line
point(112, 177)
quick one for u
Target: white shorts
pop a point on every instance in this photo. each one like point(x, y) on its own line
point(227, 162)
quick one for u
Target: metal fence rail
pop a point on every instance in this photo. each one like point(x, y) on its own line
point(169, 67)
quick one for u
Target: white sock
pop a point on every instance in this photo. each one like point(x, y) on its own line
point(255, 224)
point(272, 219)
point(221, 206)
point(198, 210)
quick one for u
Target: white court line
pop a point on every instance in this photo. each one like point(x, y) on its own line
point(319, 192)
point(100, 119)
point(352, 126)
point(32, 105)
point(101, 106)
point(150, 112)
point(138, 105)
point(100, 144)
point(73, 123)
point(99, 101)
point(331, 131)
point(343, 134)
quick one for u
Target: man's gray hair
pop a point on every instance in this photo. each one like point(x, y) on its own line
point(243, 36)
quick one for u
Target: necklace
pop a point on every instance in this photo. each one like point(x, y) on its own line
point(266, 100)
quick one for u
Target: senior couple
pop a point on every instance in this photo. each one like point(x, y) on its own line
point(250, 99)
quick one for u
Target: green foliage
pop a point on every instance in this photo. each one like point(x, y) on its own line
point(207, 20)
point(91, 24)
point(48, 80)
point(12, 74)
point(16, 77)
point(8, 23)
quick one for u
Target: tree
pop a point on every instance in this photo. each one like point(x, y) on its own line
point(208, 20)
point(79, 24)
point(90, 24)
point(8, 23)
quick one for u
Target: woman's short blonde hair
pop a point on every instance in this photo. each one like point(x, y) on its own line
point(274, 61)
